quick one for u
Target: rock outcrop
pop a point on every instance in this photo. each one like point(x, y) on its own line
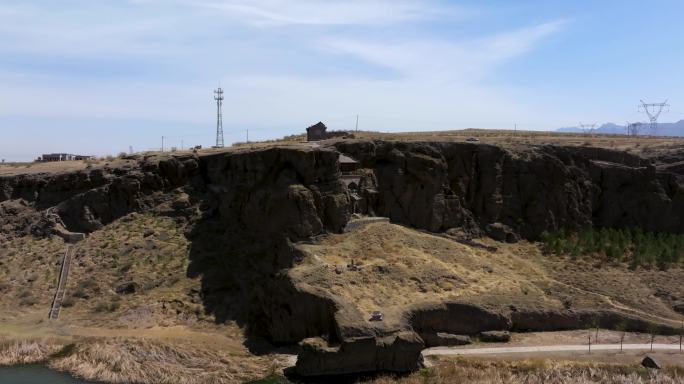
point(397, 352)
point(86, 200)
point(245, 209)
point(508, 192)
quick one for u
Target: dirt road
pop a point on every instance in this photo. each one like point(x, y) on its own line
point(446, 351)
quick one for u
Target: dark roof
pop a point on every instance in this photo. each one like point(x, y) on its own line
point(318, 125)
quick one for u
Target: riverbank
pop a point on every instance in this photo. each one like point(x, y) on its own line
point(154, 355)
point(35, 374)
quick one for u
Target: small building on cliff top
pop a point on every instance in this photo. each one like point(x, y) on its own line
point(316, 132)
point(52, 157)
point(319, 132)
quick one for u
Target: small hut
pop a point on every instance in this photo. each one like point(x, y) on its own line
point(348, 166)
point(316, 132)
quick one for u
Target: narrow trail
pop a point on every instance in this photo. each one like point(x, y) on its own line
point(446, 351)
point(61, 286)
point(70, 238)
point(544, 277)
point(619, 306)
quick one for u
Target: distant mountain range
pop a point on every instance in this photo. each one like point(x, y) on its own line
point(664, 129)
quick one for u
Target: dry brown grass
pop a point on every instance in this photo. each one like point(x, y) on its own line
point(13, 169)
point(28, 273)
point(401, 267)
point(30, 351)
point(119, 253)
point(508, 137)
point(145, 361)
point(535, 372)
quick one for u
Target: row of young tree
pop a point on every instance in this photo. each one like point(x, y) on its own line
point(631, 245)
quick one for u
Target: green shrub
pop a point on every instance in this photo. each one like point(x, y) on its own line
point(635, 246)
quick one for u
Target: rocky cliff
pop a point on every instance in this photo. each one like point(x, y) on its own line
point(244, 211)
point(507, 192)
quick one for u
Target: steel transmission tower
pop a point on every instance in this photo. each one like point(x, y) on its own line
point(653, 110)
point(218, 96)
point(587, 128)
point(633, 129)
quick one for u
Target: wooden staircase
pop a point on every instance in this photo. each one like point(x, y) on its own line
point(61, 286)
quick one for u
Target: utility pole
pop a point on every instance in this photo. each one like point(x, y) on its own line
point(130, 149)
point(162, 144)
point(182, 142)
point(357, 123)
point(218, 96)
point(247, 131)
point(653, 111)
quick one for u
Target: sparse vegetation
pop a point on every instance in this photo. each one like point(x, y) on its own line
point(108, 305)
point(617, 245)
point(534, 372)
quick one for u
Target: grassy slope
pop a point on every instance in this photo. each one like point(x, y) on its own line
point(159, 334)
point(165, 316)
point(402, 266)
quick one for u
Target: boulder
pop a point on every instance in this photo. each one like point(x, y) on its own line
point(127, 288)
point(679, 307)
point(650, 362)
point(495, 336)
point(501, 232)
point(441, 339)
point(458, 318)
point(398, 352)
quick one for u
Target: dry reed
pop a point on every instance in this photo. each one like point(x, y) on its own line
point(15, 352)
point(535, 372)
point(143, 361)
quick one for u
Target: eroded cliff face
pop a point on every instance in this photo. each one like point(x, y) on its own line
point(525, 191)
point(86, 200)
point(244, 210)
point(254, 205)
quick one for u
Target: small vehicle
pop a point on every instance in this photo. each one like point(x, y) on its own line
point(472, 139)
point(376, 316)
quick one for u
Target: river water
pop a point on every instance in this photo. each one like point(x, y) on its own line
point(35, 374)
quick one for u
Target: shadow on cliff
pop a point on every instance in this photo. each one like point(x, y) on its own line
point(243, 280)
point(228, 279)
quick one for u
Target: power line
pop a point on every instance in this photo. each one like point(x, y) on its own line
point(653, 111)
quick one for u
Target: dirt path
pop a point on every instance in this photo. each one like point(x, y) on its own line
point(611, 301)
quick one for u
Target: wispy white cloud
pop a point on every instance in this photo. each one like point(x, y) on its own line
point(397, 76)
point(328, 12)
point(445, 60)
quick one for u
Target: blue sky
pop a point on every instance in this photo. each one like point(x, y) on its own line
point(99, 76)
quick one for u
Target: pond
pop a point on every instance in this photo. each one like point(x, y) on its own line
point(35, 374)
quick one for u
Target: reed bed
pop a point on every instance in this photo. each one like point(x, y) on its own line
point(17, 352)
point(144, 361)
point(535, 372)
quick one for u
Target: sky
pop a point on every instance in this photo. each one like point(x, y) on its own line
point(102, 76)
